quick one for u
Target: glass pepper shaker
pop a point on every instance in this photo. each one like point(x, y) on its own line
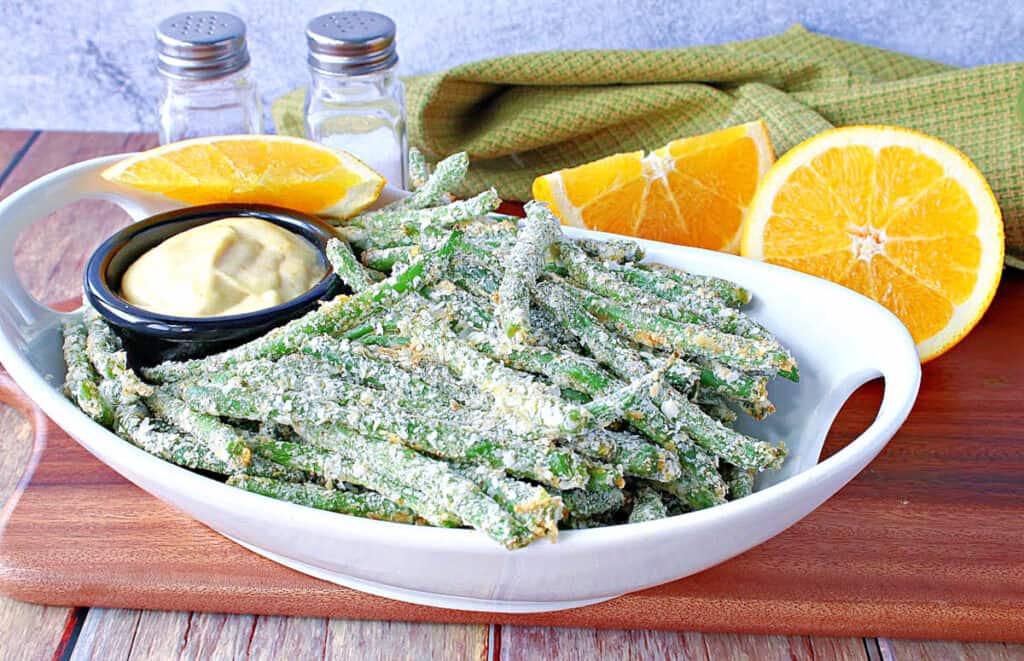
point(209, 90)
point(356, 102)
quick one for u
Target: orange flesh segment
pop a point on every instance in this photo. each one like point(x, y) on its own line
point(888, 221)
point(294, 173)
point(692, 191)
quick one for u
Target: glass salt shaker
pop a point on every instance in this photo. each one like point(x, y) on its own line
point(356, 102)
point(209, 90)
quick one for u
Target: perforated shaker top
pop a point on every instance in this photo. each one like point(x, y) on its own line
point(351, 42)
point(201, 45)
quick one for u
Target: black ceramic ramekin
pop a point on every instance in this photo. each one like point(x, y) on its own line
point(150, 337)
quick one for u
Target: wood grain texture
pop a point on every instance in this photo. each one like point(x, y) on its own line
point(353, 640)
point(925, 650)
point(131, 634)
point(30, 631)
point(108, 633)
point(122, 634)
point(526, 643)
point(11, 143)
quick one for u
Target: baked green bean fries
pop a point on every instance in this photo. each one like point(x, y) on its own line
point(480, 374)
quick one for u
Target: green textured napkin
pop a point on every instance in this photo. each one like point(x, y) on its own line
point(526, 115)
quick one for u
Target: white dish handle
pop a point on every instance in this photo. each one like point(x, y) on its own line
point(42, 197)
point(899, 365)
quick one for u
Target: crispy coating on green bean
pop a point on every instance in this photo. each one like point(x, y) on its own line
point(389, 227)
point(647, 506)
point(427, 486)
point(740, 481)
point(522, 267)
point(385, 259)
point(639, 458)
point(611, 250)
point(418, 170)
point(365, 504)
point(109, 357)
point(757, 356)
point(346, 266)
point(538, 508)
point(590, 502)
point(225, 442)
point(729, 292)
point(81, 381)
point(447, 175)
point(588, 273)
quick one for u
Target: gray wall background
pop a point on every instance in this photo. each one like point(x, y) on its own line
point(88, 64)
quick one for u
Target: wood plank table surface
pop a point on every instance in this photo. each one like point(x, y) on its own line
point(28, 631)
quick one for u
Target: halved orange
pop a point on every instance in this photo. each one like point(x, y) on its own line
point(894, 214)
point(693, 191)
point(256, 169)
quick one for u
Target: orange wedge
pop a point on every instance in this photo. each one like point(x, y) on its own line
point(894, 214)
point(693, 191)
point(254, 169)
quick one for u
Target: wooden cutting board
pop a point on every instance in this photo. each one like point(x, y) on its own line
point(928, 542)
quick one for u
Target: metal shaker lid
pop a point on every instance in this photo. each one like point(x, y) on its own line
point(201, 45)
point(351, 42)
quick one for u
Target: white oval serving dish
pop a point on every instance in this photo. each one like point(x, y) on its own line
point(840, 339)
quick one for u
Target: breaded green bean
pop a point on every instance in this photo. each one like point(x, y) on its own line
point(716, 407)
point(346, 266)
point(540, 510)
point(599, 445)
point(429, 384)
point(365, 504)
point(611, 250)
point(740, 481)
point(133, 422)
point(225, 442)
point(394, 470)
point(535, 406)
point(447, 175)
point(522, 267)
point(378, 414)
point(731, 445)
point(704, 486)
point(731, 293)
point(418, 170)
point(589, 502)
point(426, 227)
point(109, 357)
point(333, 467)
point(599, 279)
point(701, 342)
point(385, 259)
point(647, 506)
point(81, 381)
point(579, 373)
point(639, 458)
point(734, 385)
